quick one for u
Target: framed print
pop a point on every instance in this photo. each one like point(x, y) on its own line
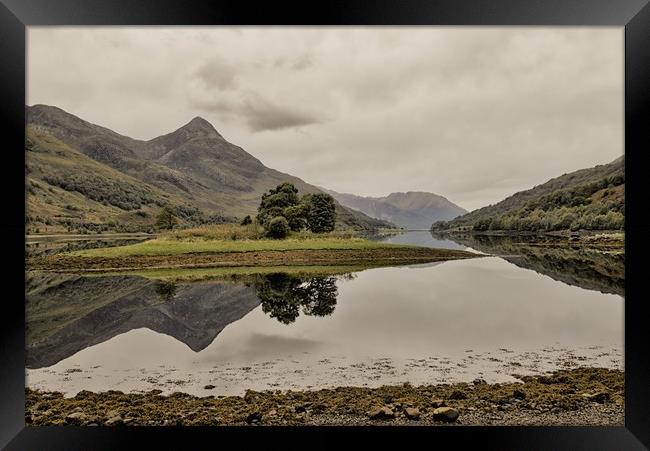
point(269, 219)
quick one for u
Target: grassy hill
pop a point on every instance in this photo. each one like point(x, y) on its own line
point(83, 177)
point(587, 199)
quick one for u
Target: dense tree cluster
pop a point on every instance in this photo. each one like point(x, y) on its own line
point(314, 212)
point(596, 205)
point(122, 195)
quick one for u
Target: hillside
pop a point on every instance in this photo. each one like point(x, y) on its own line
point(84, 177)
point(587, 199)
point(411, 210)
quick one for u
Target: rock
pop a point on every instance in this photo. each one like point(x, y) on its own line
point(438, 403)
point(115, 421)
point(272, 413)
point(446, 414)
point(209, 387)
point(112, 413)
point(457, 394)
point(76, 418)
point(412, 413)
point(84, 394)
point(253, 417)
point(479, 381)
point(383, 413)
point(518, 394)
point(599, 397)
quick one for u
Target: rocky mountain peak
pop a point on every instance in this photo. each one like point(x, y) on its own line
point(200, 126)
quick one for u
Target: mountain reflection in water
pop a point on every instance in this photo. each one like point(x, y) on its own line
point(68, 313)
point(584, 267)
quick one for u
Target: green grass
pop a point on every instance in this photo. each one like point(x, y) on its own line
point(169, 247)
point(225, 273)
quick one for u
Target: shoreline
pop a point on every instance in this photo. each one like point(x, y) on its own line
point(581, 396)
point(379, 256)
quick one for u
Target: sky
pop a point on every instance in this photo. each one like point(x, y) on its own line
point(472, 113)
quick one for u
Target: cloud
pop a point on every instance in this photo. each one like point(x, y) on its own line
point(217, 74)
point(261, 114)
point(298, 63)
point(258, 113)
point(471, 113)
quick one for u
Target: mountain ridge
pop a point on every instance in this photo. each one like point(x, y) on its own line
point(410, 209)
point(192, 168)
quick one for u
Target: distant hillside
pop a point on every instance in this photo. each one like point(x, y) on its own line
point(84, 177)
point(587, 199)
point(411, 210)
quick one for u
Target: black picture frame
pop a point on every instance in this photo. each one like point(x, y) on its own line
point(634, 15)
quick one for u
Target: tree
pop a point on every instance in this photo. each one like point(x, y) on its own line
point(275, 201)
point(166, 219)
point(278, 227)
point(322, 213)
point(297, 216)
point(247, 220)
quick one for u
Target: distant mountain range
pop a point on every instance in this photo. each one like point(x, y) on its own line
point(587, 199)
point(81, 176)
point(411, 210)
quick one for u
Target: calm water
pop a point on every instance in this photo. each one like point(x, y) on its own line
point(442, 322)
point(423, 238)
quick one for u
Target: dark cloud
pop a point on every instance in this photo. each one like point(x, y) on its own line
point(217, 74)
point(261, 114)
point(258, 113)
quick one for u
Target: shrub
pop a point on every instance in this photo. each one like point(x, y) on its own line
point(278, 227)
point(166, 219)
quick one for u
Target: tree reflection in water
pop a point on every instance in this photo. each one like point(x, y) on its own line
point(283, 296)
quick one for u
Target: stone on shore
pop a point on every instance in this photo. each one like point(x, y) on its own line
point(446, 414)
point(438, 403)
point(382, 413)
point(412, 413)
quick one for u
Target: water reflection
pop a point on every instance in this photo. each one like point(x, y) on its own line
point(283, 296)
point(68, 313)
point(584, 267)
point(455, 320)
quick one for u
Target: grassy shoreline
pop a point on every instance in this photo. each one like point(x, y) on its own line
point(374, 257)
point(242, 246)
point(579, 396)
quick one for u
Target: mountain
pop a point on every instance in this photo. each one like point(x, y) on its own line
point(84, 177)
point(411, 210)
point(587, 199)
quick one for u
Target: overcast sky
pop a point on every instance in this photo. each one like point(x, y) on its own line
point(473, 114)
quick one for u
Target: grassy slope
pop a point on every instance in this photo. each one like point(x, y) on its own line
point(513, 205)
point(49, 157)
